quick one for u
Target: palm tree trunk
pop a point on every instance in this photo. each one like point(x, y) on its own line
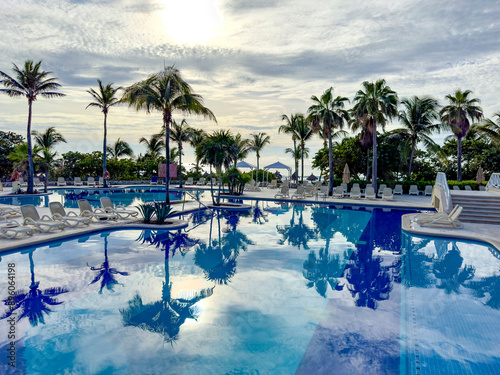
point(367, 163)
point(30, 151)
point(330, 165)
point(257, 174)
point(167, 157)
point(411, 159)
point(46, 179)
point(104, 150)
point(219, 170)
point(180, 165)
point(374, 162)
point(302, 157)
point(459, 159)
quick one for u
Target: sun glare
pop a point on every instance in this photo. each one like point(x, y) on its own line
point(191, 21)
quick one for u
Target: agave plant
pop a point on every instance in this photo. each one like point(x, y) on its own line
point(147, 211)
point(163, 211)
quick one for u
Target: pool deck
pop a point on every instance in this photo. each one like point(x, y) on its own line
point(470, 231)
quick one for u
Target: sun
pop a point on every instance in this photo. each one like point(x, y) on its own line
point(191, 21)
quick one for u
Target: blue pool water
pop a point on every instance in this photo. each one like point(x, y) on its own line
point(69, 197)
point(283, 289)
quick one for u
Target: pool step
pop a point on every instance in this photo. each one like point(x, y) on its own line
point(478, 208)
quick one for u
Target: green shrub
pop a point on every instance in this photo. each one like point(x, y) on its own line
point(147, 211)
point(162, 211)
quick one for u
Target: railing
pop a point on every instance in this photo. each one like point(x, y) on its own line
point(196, 199)
point(494, 181)
point(441, 197)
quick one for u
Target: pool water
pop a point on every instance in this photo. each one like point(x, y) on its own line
point(283, 289)
point(69, 197)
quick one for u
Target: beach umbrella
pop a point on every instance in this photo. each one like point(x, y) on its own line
point(346, 176)
point(480, 175)
point(312, 177)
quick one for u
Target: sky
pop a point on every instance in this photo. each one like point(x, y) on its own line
point(251, 60)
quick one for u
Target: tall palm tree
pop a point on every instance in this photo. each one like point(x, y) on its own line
point(458, 115)
point(180, 133)
point(296, 152)
point(154, 145)
point(327, 114)
point(119, 148)
point(257, 143)
point(303, 132)
point(374, 106)
point(418, 119)
point(242, 148)
point(289, 128)
point(104, 99)
point(46, 141)
point(197, 138)
point(166, 92)
point(491, 129)
point(30, 82)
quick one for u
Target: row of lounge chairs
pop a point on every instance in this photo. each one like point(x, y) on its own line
point(60, 218)
point(190, 181)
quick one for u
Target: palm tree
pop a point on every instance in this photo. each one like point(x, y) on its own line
point(327, 114)
point(19, 156)
point(166, 92)
point(289, 128)
point(374, 106)
point(296, 152)
point(119, 148)
point(46, 141)
point(303, 132)
point(491, 129)
point(154, 145)
point(180, 133)
point(242, 148)
point(197, 138)
point(257, 143)
point(30, 82)
point(417, 119)
point(458, 115)
point(104, 99)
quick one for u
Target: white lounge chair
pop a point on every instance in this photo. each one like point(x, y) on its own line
point(428, 190)
point(322, 193)
point(61, 181)
point(70, 218)
point(86, 210)
point(381, 189)
point(468, 188)
point(119, 210)
point(91, 181)
point(414, 190)
point(201, 181)
point(370, 193)
point(299, 193)
point(455, 187)
point(22, 183)
point(78, 181)
point(37, 183)
point(101, 182)
point(43, 224)
point(355, 192)
point(189, 181)
point(441, 220)
point(345, 188)
point(273, 184)
point(12, 228)
point(283, 193)
point(7, 212)
point(387, 194)
point(338, 192)
point(309, 192)
point(398, 189)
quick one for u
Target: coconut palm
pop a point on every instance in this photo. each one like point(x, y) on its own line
point(289, 128)
point(180, 133)
point(197, 138)
point(30, 82)
point(374, 106)
point(327, 114)
point(154, 145)
point(242, 148)
point(491, 129)
point(418, 119)
point(296, 152)
point(303, 132)
point(119, 149)
point(257, 143)
point(166, 92)
point(46, 141)
point(104, 99)
point(458, 115)
point(20, 156)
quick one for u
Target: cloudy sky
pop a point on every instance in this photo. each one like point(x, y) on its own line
point(251, 60)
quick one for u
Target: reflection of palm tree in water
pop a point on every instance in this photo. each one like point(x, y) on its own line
point(105, 273)
point(296, 234)
point(323, 271)
point(35, 302)
point(259, 215)
point(167, 315)
point(450, 273)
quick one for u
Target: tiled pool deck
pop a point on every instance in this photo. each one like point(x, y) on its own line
point(478, 232)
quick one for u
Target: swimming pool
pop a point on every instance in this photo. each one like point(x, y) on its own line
point(69, 197)
point(283, 289)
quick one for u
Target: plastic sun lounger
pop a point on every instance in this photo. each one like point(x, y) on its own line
point(370, 193)
point(440, 220)
point(338, 192)
point(355, 192)
point(413, 190)
point(70, 218)
point(283, 192)
point(12, 228)
point(381, 189)
point(91, 181)
point(189, 181)
point(387, 194)
point(322, 193)
point(98, 214)
point(299, 193)
point(119, 210)
point(398, 189)
point(201, 181)
point(7, 212)
point(37, 182)
point(428, 190)
point(154, 180)
point(43, 224)
point(78, 181)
